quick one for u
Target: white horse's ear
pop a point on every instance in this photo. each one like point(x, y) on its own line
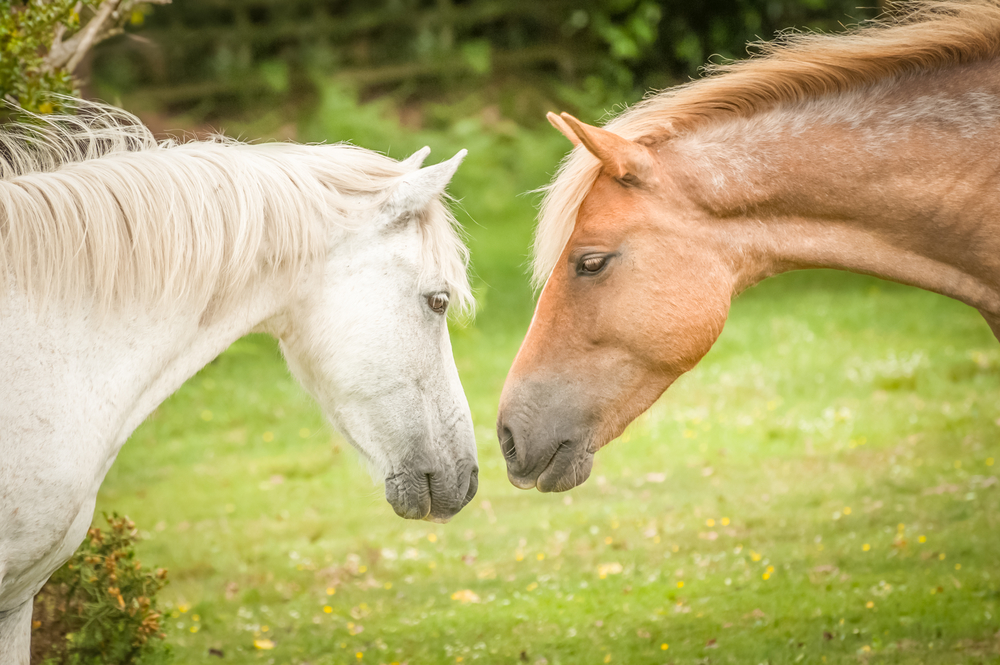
point(416, 190)
point(416, 160)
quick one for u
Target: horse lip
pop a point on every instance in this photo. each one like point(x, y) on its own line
point(521, 483)
point(529, 482)
point(413, 495)
point(405, 499)
point(576, 452)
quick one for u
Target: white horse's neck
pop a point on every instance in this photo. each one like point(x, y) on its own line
point(62, 424)
point(900, 183)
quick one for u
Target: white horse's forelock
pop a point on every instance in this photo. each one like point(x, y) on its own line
point(93, 208)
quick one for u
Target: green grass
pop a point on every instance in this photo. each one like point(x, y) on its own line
point(821, 488)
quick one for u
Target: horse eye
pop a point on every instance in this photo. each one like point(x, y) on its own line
point(438, 302)
point(592, 264)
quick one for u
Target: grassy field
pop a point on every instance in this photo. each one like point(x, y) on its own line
point(821, 489)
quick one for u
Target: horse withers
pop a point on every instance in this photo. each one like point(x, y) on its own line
point(126, 265)
point(873, 152)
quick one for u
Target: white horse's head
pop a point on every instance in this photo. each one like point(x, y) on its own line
point(368, 337)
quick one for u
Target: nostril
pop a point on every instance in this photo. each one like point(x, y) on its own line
point(507, 444)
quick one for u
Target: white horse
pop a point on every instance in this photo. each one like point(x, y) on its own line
point(127, 265)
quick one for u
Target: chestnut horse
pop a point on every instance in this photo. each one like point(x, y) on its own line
point(874, 152)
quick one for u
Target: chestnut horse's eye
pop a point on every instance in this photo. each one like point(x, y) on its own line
point(438, 302)
point(591, 265)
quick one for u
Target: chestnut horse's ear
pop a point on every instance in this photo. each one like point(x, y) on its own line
point(625, 160)
point(563, 128)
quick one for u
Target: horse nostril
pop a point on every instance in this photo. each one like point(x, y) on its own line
point(507, 444)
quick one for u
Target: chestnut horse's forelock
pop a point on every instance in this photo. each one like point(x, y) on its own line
point(923, 36)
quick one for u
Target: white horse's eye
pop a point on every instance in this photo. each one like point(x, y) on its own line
point(438, 302)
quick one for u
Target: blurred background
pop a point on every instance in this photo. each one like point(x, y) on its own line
point(820, 489)
point(434, 61)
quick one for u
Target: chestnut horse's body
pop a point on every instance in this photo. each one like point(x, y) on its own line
point(875, 152)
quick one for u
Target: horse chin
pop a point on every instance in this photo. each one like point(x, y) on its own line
point(437, 520)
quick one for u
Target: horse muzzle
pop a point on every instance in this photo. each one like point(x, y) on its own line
point(559, 466)
point(436, 495)
point(545, 441)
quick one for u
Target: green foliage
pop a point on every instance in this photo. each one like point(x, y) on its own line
point(628, 34)
point(100, 607)
point(27, 30)
point(524, 56)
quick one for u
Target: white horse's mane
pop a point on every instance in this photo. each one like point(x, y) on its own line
point(93, 207)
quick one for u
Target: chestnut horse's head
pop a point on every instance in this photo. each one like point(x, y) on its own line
point(637, 297)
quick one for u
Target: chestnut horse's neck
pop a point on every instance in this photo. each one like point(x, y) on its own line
point(901, 181)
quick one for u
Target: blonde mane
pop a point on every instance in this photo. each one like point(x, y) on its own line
point(926, 35)
point(93, 208)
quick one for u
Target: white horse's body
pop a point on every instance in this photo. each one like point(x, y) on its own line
point(354, 293)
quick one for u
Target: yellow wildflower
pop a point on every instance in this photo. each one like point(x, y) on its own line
point(466, 596)
point(605, 569)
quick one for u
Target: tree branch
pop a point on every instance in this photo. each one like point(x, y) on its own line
point(107, 22)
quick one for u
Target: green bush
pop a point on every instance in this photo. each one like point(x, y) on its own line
point(100, 607)
point(42, 42)
point(27, 31)
point(523, 57)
